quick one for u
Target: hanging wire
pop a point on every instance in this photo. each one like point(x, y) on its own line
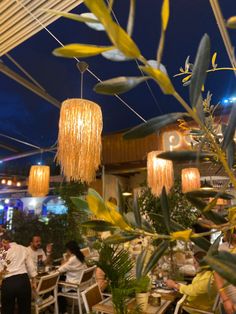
point(136, 61)
point(92, 73)
point(19, 141)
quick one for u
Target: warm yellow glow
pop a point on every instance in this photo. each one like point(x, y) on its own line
point(18, 184)
point(160, 173)
point(9, 182)
point(190, 179)
point(79, 139)
point(39, 181)
point(3, 181)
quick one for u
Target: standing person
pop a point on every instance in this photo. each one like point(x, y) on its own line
point(16, 267)
point(37, 253)
point(72, 266)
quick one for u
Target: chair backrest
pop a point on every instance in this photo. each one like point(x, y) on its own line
point(88, 274)
point(48, 283)
point(91, 296)
point(85, 251)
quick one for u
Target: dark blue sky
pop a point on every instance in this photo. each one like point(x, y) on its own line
point(28, 117)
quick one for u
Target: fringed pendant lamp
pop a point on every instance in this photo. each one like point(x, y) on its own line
point(39, 181)
point(160, 173)
point(79, 138)
point(190, 179)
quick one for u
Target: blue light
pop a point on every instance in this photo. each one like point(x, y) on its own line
point(225, 101)
point(39, 163)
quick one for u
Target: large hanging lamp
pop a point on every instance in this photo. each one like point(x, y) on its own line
point(190, 178)
point(79, 139)
point(160, 173)
point(39, 181)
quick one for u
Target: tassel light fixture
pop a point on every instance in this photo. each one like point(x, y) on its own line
point(190, 178)
point(39, 181)
point(79, 139)
point(160, 173)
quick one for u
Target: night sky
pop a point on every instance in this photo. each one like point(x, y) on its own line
point(28, 117)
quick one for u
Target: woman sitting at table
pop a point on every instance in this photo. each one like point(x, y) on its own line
point(73, 264)
point(201, 293)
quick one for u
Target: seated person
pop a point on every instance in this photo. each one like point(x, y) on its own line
point(201, 293)
point(37, 253)
point(72, 266)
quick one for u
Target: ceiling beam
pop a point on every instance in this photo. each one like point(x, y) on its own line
point(27, 84)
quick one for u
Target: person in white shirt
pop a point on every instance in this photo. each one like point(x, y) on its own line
point(37, 253)
point(16, 266)
point(72, 266)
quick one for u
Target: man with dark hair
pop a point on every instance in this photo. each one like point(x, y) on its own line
point(37, 253)
point(16, 267)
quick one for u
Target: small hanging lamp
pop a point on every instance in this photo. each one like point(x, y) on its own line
point(160, 173)
point(190, 178)
point(39, 181)
point(79, 138)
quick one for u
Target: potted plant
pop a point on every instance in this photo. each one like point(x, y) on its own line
point(142, 288)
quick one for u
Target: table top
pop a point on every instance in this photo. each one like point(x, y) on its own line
point(106, 306)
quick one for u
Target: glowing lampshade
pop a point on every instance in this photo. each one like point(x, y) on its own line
point(3, 181)
point(190, 179)
point(18, 184)
point(160, 173)
point(9, 182)
point(79, 139)
point(39, 181)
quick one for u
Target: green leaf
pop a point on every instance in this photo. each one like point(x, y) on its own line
point(137, 214)
point(80, 203)
point(206, 193)
point(120, 238)
point(121, 207)
point(153, 125)
point(230, 129)
point(118, 85)
point(117, 35)
point(145, 224)
point(187, 155)
point(200, 67)
point(160, 250)
point(75, 17)
point(161, 78)
point(80, 50)
point(98, 225)
point(140, 263)
point(214, 248)
point(165, 208)
point(202, 243)
point(231, 22)
point(224, 264)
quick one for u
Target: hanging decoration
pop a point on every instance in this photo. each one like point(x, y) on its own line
point(39, 178)
point(79, 139)
point(190, 179)
point(160, 173)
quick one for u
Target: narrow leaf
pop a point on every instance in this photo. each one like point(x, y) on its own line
point(121, 200)
point(161, 78)
point(202, 243)
point(79, 203)
point(98, 225)
point(117, 35)
point(75, 17)
point(140, 264)
point(186, 155)
point(165, 12)
point(199, 69)
point(118, 85)
point(213, 60)
point(120, 238)
point(165, 208)
point(214, 248)
point(160, 250)
point(230, 129)
point(80, 50)
point(206, 193)
point(153, 125)
point(231, 22)
point(130, 24)
point(136, 210)
point(95, 25)
point(115, 55)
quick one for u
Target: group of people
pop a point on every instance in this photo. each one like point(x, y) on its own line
point(19, 268)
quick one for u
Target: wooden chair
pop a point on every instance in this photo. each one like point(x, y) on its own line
point(47, 284)
point(91, 296)
point(86, 279)
point(85, 251)
point(181, 306)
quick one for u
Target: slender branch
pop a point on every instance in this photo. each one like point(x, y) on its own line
point(208, 71)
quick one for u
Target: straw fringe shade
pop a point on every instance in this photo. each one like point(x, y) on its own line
point(39, 181)
point(160, 173)
point(190, 179)
point(79, 139)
